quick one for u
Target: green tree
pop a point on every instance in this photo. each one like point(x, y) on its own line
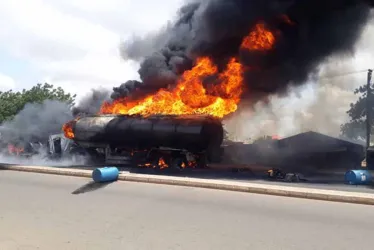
point(356, 127)
point(13, 102)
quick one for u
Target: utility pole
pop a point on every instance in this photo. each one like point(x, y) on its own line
point(368, 112)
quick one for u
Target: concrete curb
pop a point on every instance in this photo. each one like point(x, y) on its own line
point(296, 192)
point(49, 170)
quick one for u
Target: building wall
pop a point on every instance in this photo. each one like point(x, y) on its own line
point(322, 161)
point(307, 151)
point(317, 151)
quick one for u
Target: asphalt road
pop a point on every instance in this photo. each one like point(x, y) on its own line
point(40, 212)
point(328, 186)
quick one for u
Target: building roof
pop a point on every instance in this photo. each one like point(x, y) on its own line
point(320, 135)
point(314, 141)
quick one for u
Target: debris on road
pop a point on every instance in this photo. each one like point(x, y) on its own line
point(277, 174)
point(105, 174)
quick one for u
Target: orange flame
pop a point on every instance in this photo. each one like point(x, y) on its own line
point(14, 150)
point(259, 39)
point(162, 164)
point(192, 164)
point(147, 165)
point(189, 95)
point(67, 129)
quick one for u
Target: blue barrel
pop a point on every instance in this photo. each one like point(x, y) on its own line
point(358, 177)
point(105, 174)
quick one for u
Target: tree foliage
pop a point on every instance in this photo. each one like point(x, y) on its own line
point(356, 127)
point(13, 102)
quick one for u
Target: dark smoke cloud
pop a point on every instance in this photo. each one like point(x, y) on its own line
point(91, 103)
point(215, 28)
point(36, 122)
point(137, 47)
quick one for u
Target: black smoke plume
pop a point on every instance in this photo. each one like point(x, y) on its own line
point(91, 103)
point(314, 30)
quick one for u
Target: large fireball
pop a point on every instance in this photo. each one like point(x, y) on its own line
point(190, 95)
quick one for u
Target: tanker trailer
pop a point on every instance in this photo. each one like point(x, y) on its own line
point(158, 140)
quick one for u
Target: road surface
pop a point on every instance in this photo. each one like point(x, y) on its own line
point(55, 212)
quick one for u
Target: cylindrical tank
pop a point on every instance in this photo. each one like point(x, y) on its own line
point(193, 132)
point(358, 177)
point(105, 174)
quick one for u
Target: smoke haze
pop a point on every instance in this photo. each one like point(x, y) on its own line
point(320, 106)
point(41, 159)
point(36, 122)
point(90, 103)
point(286, 94)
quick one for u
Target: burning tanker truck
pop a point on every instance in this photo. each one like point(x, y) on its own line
point(158, 141)
point(216, 55)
